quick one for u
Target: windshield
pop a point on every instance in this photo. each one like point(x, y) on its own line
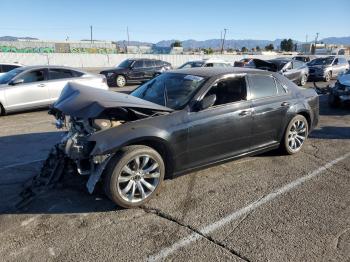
point(322, 61)
point(125, 63)
point(170, 89)
point(6, 78)
point(192, 64)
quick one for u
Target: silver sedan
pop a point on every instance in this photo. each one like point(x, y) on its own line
point(39, 86)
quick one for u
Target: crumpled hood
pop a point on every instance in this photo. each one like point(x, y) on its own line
point(87, 102)
point(344, 79)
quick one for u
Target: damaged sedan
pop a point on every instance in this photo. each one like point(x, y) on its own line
point(178, 122)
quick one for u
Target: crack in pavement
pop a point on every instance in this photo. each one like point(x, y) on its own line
point(168, 217)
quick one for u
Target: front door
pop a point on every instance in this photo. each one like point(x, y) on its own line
point(32, 92)
point(224, 129)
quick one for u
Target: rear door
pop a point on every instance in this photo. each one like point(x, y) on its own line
point(33, 92)
point(137, 72)
point(150, 69)
point(290, 72)
point(58, 78)
point(270, 102)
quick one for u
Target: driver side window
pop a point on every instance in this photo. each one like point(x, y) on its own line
point(229, 90)
point(33, 76)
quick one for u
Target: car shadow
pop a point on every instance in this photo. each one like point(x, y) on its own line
point(22, 157)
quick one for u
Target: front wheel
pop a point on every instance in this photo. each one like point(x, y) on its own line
point(328, 77)
point(120, 81)
point(134, 176)
point(303, 80)
point(295, 135)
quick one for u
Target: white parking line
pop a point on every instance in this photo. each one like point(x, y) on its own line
point(21, 164)
point(235, 215)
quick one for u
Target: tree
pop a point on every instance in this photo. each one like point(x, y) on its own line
point(208, 51)
point(257, 48)
point(244, 49)
point(287, 45)
point(176, 43)
point(269, 47)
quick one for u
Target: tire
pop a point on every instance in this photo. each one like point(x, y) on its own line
point(333, 101)
point(297, 131)
point(328, 76)
point(303, 80)
point(124, 178)
point(2, 110)
point(120, 81)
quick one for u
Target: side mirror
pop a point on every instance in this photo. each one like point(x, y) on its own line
point(206, 102)
point(17, 81)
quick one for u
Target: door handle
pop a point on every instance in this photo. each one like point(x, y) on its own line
point(41, 85)
point(245, 113)
point(285, 104)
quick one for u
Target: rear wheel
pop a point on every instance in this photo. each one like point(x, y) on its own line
point(134, 176)
point(120, 81)
point(295, 135)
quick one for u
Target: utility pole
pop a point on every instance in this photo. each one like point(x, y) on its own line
point(127, 33)
point(316, 38)
point(306, 38)
point(223, 41)
point(91, 34)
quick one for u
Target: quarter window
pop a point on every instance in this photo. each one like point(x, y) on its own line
point(262, 86)
point(60, 74)
point(229, 90)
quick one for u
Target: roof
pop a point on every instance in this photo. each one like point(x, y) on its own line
point(216, 71)
point(51, 66)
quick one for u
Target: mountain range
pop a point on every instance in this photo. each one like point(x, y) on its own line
point(210, 43)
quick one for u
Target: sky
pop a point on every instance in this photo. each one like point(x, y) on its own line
point(155, 20)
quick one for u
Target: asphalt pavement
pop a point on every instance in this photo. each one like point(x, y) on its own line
point(269, 207)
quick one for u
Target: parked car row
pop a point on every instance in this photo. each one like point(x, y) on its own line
point(300, 68)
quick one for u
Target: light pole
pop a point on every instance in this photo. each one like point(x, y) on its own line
point(223, 41)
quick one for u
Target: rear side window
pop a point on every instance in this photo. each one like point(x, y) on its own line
point(149, 63)
point(262, 86)
point(343, 61)
point(138, 64)
point(60, 74)
point(280, 89)
point(159, 63)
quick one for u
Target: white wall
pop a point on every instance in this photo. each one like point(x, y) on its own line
point(102, 60)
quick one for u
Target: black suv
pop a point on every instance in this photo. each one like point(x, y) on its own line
point(135, 71)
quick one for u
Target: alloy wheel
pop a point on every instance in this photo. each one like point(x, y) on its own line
point(303, 80)
point(297, 135)
point(121, 81)
point(139, 178)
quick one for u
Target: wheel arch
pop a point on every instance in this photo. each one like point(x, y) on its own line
point(161, 146)
point(307, 115)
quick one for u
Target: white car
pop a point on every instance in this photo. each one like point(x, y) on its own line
point(39, 86)
point(5, 67)
point(210, 62)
